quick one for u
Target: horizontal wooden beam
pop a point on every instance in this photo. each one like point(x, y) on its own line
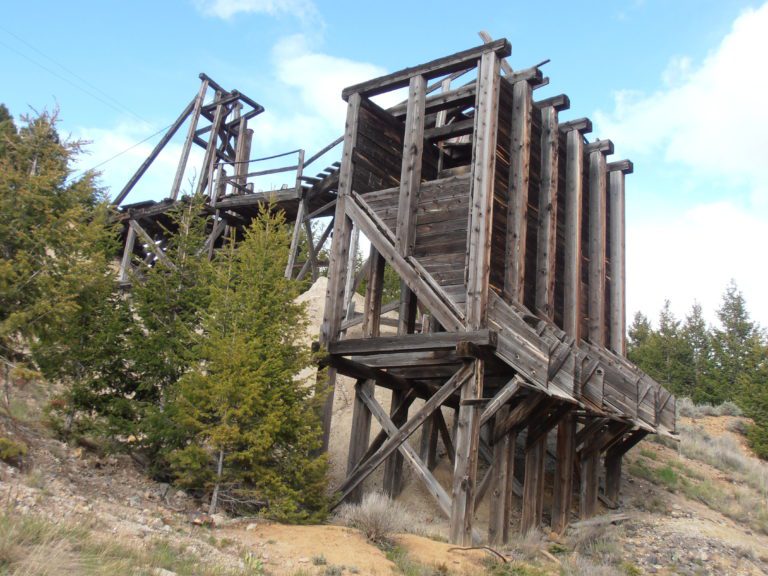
point(411, 342)
point(624, 166)
point(583, 125)
point(560, 102)
point(604, 146)
point(433, 69)
point(451, 130)
point(464, 95)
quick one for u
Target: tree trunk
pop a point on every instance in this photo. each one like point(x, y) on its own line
point(215, 495)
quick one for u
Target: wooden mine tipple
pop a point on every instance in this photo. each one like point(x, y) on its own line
point(506, 229)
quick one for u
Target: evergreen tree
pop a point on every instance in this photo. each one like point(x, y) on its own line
point(253, 421)
point(699, 341)
point(53, 237)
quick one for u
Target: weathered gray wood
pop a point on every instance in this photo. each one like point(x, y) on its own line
point(487, 38)
point(429, 293)
point(465, 467)
point(209, 161)
point(151, 245)
point(446, 65)
point(612, 478)
point(596, 247)
point(562, 496)
point(297, 225)
point(547, 237)
point(154, 154)
point(393, 466)
point(481, 191)
point(588, 489)
point(533, 494)
point(125, 263)
point(176, 186)
point(412, 342)
point(359, 433)
point(513, 487)
point(406, 430)
point(501, 455)
point(334, 301)
point(574, 170)
point(500, 399)
point(517, 210)
point(618, 318)
point(445, 435)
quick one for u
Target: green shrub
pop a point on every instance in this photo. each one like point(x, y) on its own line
point(12, 452)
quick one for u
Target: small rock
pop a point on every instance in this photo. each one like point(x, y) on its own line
point(162, 572)
point(251, 527)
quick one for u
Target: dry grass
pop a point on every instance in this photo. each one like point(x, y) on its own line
point(686, 407)
point(378, 517)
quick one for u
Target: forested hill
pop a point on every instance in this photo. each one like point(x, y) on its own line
point(727, 362)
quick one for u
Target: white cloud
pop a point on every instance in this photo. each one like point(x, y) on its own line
point(705, 122)
point(226, 9)
point(709, 118)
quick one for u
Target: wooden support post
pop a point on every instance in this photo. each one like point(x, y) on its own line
point(596, 247)
point(574, 178)
point(189, 141)
point(547, 230)
point(501, 454)
point(152, 246)
point(334, 301)
point(125, 263)
point(209, 160)
point(612, 478)
point(590, 468)
point(299, 223)
point(517, 211)
point(562, 498)
point(618, 318)
point(533, 495)
point(154, 154)
point(478, 265)
point(511, 484)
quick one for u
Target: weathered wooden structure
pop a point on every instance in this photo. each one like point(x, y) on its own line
point(506, 229)
point(228, 178)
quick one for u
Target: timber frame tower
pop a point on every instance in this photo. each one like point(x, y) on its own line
point(506, 230)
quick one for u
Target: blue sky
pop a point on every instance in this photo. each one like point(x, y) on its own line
point(677, 85)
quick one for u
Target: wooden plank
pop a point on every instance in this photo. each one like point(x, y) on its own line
point(406, 430)
point(501, 454)
point(596, 248)
point(513, 487)
point(547, 228)
point(517, 209)
point(125, 263)
point(430, 294)
point(501, 398)
point(465, 468)
point(334, 301)
point(588, 489)
point(463, 96)
point(154, 154)
point(446, 65)
point(187, 147)
point(533, 493)
point(481, 191)
point(359, 433)
point(298, 224)
point(151, 245)
point(209, 160)
point(412, 342)
point(445, 435)
point(562, 497)
point(618, 314)
point(574, 170)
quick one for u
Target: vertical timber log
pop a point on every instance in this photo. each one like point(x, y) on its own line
point(298, 224)
point(410, 184)
point(562, 497)
point(547, 230)
point(209, 160)
point(125, 263)
point(342, 228)
point(478, 264)
point(190, 138)
point(501, 454)
point(574, 178)
point(517, 211)
point(596, 248)
point(617, 232)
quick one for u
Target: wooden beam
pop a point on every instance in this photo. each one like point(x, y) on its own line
point(298, 224)
point(501, 455)
point(125, 263)
point(617, 232)
point(547, 229)
point(533, 485)
point(517, 211)
point(427, 291)
point(481, 191)
point(334, 302)
point(406, 430)
point(446, 65)
point(359, 433)
point(574, 178)
point(501, 398)
point(562, 496)
point(596, 247)
point(151, 245)
point(176, 186)
point(411, 343)
point(465, 468)
point(154, 154)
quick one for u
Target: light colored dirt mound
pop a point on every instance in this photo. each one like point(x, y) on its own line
point(285, 550)
point(441, 555)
